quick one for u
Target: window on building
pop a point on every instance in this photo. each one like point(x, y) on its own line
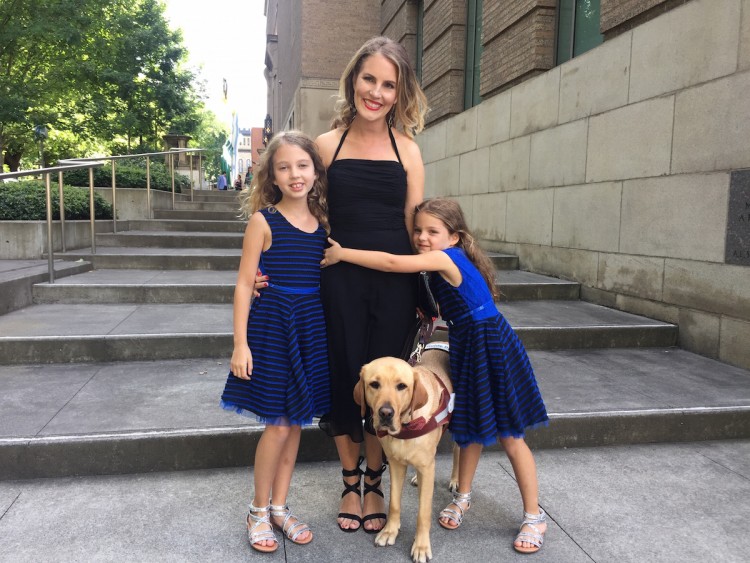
point(473, 53)
point(239, 164)
point(577, 28)
point(420, 40)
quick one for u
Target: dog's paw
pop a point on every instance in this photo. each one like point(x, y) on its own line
point(387, 536)
point(453, 485)
point(414, 480)
point(421, 551)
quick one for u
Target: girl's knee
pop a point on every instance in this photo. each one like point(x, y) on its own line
point(514, 446)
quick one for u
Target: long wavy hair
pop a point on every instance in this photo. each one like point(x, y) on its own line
point(452, 216)
point(263, 191)
point(411, 103)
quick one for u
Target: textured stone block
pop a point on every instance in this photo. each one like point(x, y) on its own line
point(676, 216)
point(588, 217)
point(647, 308)
point(493, 120)
point(689, 45)
point(734, 349)
point(745, 36)
point(488, 216)
point(699, 332)
point(509, 165)
point(558, 155)
point(566, 263)
point(738, 219)
point(444, 178)
point(630, 142)
point(432, 142)
point(474, 172)
point(596, 81)
point(461, 132)
point(638, 276)
point(708, 287)
point(712, 126)
point(534, 104)
point(529, 216)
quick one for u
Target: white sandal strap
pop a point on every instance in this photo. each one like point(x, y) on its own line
point(295, 529)
point(263, 535)
point(457, 517)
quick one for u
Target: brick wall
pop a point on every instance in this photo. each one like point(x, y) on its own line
point(443, 57)
point(332, 33)
point(518, 42)
point(618, 16)
point(399, 22)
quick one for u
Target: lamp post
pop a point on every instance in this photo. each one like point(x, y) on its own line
point(40, 134)
point(267, 129)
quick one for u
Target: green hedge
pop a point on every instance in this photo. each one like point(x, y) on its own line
point(130, 175)
point(26, 201)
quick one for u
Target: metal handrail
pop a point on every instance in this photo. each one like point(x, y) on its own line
point(91, 163)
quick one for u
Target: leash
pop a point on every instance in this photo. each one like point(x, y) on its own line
point(426, 328)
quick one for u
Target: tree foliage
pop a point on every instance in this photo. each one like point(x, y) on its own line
point(102, 72)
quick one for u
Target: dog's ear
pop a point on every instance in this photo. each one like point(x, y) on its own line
point(419, 396)
point(359, 393)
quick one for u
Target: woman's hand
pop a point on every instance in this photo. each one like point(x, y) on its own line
point(332, 254)
point(242, 362)
point(261, 282)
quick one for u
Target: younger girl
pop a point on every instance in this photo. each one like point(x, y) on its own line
point(280, 364)
point(496, 392)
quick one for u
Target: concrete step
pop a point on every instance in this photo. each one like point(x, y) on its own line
point(196, 215)
point(231, 206)
point(504, 261)
point(169, 239)
point(192, 225)
point(515, 285)
point(17, 279)
point(53, 333)
point(213, 195)
point(216, 286)
point(129, 417)
point(150, 258)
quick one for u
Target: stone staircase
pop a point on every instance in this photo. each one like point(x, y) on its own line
point(118, 367)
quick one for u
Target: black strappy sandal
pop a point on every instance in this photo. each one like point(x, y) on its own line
point(373, 488)
point(352, 488)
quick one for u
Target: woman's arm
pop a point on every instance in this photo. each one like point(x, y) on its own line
point(257, 238)
point(434, 261)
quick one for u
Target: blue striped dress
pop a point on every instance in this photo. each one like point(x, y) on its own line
point(286, 332)
point(496, 391)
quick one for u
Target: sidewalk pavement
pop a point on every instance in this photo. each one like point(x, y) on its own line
point(666, 503)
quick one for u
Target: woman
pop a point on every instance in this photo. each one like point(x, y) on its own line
point(376, 178)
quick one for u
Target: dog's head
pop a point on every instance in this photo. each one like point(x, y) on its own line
point(393, 390)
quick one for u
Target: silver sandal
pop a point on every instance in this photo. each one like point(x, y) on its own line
point(457, 517)
point(264, 535)
point(291, 527)
point(535, 537)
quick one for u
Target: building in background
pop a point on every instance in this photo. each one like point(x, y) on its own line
point(602, 141)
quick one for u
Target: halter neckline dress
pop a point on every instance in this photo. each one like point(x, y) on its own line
point(369, 314)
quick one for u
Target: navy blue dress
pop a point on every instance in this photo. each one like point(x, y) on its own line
point(286, 332)
point(496, 391)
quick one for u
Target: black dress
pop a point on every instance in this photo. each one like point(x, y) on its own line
point(369, 314)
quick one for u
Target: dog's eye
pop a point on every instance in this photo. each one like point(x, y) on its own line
point(375, 385)
point(402, 386)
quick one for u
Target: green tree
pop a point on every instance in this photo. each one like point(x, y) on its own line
point(104, 72)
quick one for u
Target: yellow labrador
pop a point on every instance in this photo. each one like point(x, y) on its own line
point(410, 407)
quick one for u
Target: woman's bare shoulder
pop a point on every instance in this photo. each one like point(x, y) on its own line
point(407, 148)
point(327, 143)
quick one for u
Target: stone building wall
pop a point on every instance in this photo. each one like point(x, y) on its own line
point(624, 169)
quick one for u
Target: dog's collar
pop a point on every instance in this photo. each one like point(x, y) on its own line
point(419, 426)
